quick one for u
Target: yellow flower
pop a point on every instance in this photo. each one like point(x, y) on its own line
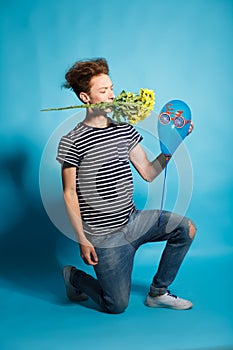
point(127, 106)
point(134, 108)
point(147, 98)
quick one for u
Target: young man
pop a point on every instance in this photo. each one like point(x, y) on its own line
point(98, 193)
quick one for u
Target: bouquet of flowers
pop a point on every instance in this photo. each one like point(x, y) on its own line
point(127, 106)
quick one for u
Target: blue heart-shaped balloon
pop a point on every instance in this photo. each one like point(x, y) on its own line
point(173, 125)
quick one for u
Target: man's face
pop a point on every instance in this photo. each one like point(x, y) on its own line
point(101, 89)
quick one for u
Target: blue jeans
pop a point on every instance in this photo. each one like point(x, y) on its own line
point(116, 253)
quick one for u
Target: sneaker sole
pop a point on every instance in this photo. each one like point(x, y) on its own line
point(166, 306)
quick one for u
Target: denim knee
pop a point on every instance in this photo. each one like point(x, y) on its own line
point(192, 229)
point(184, 232)
point(117, 307)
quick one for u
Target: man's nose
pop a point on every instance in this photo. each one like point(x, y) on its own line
point(111, 95)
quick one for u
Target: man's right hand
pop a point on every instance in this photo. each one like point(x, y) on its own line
point(88, 253)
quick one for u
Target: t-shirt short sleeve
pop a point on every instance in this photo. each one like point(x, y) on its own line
point(67, 154)
point(135, 138)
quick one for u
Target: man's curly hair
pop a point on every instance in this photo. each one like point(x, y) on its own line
point(78, 77)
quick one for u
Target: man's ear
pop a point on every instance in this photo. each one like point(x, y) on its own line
point(84, 97)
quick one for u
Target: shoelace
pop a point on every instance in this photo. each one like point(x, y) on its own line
point(171, 295)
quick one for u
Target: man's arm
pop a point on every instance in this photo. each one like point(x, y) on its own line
point(148, 170)
point(87, 250)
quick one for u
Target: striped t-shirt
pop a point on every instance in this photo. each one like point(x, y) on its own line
point(103, 175)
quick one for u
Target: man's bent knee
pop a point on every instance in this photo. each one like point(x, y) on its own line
point(117, 308)
point(192, 230)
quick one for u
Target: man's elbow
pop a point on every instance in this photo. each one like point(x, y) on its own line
point(147, 172)
point(69, 194)
point(150, 175)
point(147, 177)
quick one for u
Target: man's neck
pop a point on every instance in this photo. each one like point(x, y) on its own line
point(96, 121)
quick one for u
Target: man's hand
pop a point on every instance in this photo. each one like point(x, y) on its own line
point(190, 128)
point(88, 253)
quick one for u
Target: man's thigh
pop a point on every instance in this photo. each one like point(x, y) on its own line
point(144, 226)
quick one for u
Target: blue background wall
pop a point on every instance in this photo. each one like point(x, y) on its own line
point(181, 49)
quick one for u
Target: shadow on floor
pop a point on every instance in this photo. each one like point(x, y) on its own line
point(28, 248)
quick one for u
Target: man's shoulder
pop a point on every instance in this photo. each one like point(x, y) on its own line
point(75, 133)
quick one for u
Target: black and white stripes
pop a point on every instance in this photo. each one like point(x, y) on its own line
point(103, 177)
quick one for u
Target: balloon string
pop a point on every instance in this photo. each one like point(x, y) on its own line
point(162, 200)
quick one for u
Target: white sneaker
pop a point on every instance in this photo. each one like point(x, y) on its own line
point(72, 293)
point(168, 300)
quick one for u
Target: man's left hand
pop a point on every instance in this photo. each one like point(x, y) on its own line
point(190, 128)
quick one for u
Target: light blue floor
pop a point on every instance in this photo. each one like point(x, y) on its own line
point(35, 313)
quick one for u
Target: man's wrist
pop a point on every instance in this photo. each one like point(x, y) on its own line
point(162, 161)
point(167, 156)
